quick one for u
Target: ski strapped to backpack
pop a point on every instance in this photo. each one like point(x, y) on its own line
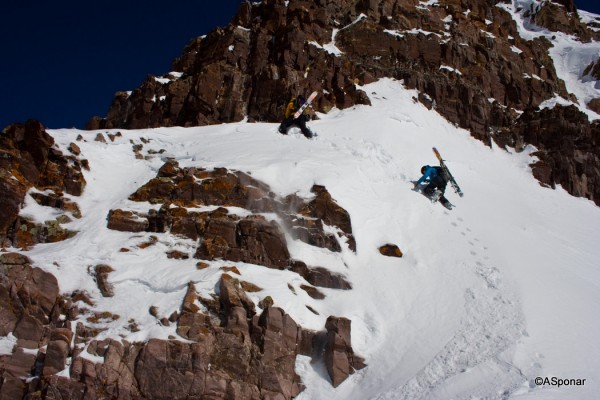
point(306, 104)
point(447, 171)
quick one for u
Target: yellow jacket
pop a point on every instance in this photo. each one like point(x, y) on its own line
point(291, 108)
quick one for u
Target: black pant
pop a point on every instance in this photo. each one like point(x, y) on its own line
point(300, 122)
point(437, 183)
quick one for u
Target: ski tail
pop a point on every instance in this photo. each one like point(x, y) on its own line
point(445, 168)
point(306, 104)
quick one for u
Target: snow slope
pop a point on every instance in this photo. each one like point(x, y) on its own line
point(503, 288)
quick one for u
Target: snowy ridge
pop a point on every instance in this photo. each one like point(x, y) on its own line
point(486, 297)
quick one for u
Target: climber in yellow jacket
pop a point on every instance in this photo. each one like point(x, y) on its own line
point(300, 122)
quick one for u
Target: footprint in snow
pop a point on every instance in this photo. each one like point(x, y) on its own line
point(492, 323)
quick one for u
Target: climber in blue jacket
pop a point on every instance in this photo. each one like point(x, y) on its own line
point(436, 184)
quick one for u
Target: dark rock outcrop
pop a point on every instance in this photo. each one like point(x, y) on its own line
point(232, 352)
point(390, 250)
point(568, 148)
point(252, 238)
point(319, 276)
point(30, 306)
point(101, 273)
point(29, 159)
point(340, 359)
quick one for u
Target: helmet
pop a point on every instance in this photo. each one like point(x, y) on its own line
point(423, 168)
point(300, 100)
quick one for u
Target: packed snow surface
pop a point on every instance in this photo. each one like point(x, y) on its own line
point(488, 296)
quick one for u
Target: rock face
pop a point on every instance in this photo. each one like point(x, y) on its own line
point(568, 148)
point(29, 308)
point(28, 159)
point(468, 61)
point(251, 238)
point(233, 352)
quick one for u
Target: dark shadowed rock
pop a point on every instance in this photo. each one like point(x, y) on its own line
point(101, 272)
point(326, 209)
point(127, 221)
point(390, 250)
point(232, 353)
point(339, 356)
point(564, 139)
point(232, 295)
point(56, 357)
point(29, 159)
point(319, 276)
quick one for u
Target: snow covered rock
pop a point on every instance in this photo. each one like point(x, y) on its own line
point(28, 159)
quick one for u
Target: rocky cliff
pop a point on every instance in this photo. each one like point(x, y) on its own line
point(466, 58)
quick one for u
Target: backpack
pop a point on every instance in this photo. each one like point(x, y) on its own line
point(299, 101)
point(442, 173)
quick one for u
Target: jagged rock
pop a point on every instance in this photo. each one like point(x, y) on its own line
point(594, 104)
point(177, 255)
point(232, 295)
point(127, 221)
point(101, 272)
point(28, 296)
point(100, 138)
point(28, 159)
point(56, 357)
point(313, 292)
point(73, 148)
point(340, 359)
point(20, 364)
point(56, 201)
point(593, 69)
point(221, 235)
point(319, 276)
point(252, 239)
point(237, 355)
point(192, 187)
point(561, 17)
point(26, 233)
point(266, 302)
point(29, 328)
point(29, 302)
point(564, 139)
point(310, 230)
point(390, 250)
point(327, 210)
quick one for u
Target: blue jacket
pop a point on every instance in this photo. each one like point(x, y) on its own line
point(429, 174)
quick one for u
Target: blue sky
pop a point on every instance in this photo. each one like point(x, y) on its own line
point(63, 61)
point(588, 5)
